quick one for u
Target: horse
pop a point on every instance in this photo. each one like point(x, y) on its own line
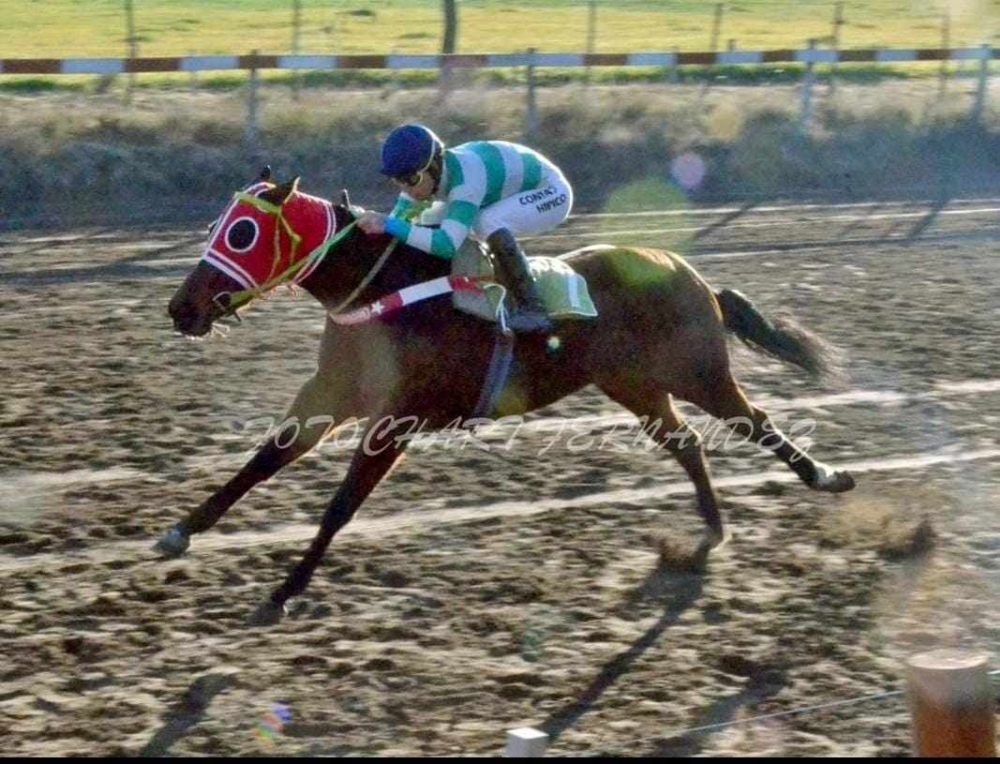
point(661, 333)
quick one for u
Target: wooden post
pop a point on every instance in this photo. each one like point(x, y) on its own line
point(674, 74)
point(193, 75)
point(251, 134)
point(526, 743)
point(951, 705)
point(984, 75)
point(449, 41)
point(946, 44)
point(531, 112)
point(591, 34)
point(838, 22)
point(713, 43)
point(133, 45)
point(807, 83)
point(296, 37)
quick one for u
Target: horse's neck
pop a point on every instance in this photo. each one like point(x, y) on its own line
point(350, 263)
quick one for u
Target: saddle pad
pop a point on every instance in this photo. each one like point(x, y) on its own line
point(563, 291)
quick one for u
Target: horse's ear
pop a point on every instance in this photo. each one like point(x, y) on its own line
point(345, 198)
point(289, 188)
point(281, 192)
point(265, 173)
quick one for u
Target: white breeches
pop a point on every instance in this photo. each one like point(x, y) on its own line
point(529, 212)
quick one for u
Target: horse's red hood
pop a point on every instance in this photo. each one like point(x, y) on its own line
point(252, 246)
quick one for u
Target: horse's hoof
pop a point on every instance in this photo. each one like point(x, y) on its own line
point(268, 613)
point(173, 543)
point(831, 481)
point(714, 541)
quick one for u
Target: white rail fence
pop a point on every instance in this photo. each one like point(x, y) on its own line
point(446, 64)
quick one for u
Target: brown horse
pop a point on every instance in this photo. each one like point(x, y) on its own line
point(661, 332)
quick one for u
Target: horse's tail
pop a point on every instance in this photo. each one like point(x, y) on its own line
point(782, 338)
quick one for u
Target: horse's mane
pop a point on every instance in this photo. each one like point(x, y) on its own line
point(358, 253)
point(407, 263)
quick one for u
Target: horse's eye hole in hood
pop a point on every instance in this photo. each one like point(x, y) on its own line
point(242, 235)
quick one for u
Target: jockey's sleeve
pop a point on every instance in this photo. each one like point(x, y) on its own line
point(404, 208)
point(442, 242)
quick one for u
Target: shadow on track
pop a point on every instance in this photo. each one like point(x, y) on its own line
point(187, 712)
point(686, 590)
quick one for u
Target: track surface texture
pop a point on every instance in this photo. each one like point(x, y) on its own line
point(475, 594)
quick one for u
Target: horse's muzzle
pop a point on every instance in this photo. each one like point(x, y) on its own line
point(188, 318)
point(194, 306)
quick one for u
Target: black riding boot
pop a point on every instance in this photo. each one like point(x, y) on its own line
point(528, 313)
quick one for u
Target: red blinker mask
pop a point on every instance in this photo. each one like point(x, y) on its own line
point(255, 241)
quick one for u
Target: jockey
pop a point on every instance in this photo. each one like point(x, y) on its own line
point(494, 190)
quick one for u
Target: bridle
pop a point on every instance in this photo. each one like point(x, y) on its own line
point(229, 302)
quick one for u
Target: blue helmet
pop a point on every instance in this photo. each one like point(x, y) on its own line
point(409, 149)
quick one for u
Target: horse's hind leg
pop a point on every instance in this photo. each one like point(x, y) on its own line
point(728, 402)
point(665, 425)
point(308, 419)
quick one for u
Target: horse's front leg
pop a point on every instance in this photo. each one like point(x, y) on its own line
point(381, 446)
point(309, 418)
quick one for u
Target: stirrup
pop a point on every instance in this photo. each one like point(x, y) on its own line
point(521, 320)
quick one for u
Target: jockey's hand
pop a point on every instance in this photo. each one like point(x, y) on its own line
point(372, 222)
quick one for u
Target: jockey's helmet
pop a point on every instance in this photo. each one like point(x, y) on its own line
point(409, 149)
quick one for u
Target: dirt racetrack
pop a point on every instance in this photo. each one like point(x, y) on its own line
point(474, 594)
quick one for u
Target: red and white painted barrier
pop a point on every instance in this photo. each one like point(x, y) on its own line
point(485, 60)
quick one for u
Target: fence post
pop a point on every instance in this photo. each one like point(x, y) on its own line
point(296, 37)
point(674, 75)
point(446, 77)
point(449, 42)
point(838, 22)
point(193, 75)
point(531, 112)
point(984, 76)
point(591, 34)
point(133, 48)
point(807, 83)
point(951, 704)
point(250, 137)
point(946, 44)
point(713, 44)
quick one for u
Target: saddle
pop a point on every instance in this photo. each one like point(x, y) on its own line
point(562, 290)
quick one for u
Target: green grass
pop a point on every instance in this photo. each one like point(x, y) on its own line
point(63, 28)
point(60, 28)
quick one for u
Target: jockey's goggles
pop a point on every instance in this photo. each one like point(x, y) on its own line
point(414, 178)
point(409, 180)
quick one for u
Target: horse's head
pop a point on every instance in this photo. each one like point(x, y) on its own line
point(261, 240)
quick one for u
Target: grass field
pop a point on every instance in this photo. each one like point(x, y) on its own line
point(60, 28)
